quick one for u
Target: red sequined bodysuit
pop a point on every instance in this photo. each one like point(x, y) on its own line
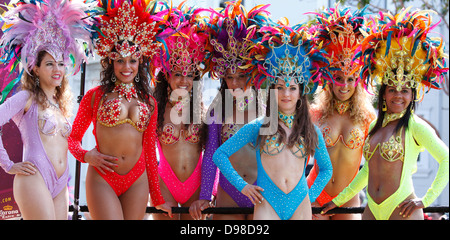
point(88, 114)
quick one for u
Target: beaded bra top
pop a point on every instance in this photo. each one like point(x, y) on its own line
point(353, 139)
point(169, 135)
point(111, 112)
point(272, 145)
point(48, 125)
point(228, 130)
point(392, 150)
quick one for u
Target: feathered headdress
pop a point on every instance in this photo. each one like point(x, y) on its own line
point(187, 42)
point(398, 51)
point(231, 35)
point(287, 53)
point(60, 27)
point(338, 30)
point(128, 29)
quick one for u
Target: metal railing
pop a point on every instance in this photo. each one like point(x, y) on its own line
point(249, 210)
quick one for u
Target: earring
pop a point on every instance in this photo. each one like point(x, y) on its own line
point(136, 79)
point(37, 81)
point(384, 107)
point(113, 78)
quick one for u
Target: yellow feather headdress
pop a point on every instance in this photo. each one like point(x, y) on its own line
point(398, 51)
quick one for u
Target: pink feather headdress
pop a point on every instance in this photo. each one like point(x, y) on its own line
point(187, 43)
point(60, 27)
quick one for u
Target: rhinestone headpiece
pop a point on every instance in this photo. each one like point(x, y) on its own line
point(399, 51)
point(128, 30)
point(287, 53)
point(60, 27)
point(339, 32)
point(288, 62)
point(231, 35)
point(186, 42)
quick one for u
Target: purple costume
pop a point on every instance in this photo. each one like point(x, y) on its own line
point(62, 29)
point(232, 33)
point(33, 149)
point(209, 170)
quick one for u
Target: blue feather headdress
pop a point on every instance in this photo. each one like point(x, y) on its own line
point(289, 54)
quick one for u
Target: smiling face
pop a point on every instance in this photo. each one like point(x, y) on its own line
point(345, 87)
point(176, 80)
point(126, 69)
point(50, 72)
point(397, 101)
point(287, 96)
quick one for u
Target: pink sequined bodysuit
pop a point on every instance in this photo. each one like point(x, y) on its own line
point(181, 191)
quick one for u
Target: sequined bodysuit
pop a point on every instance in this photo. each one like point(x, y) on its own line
point(181, 191)
point(354, 139)
point(88, 114)
point(284, 204)
point(418, 137)
point(30, 125)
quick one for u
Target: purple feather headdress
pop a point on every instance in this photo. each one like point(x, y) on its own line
point(60, 27)
point(186, 41)
point(231, 35)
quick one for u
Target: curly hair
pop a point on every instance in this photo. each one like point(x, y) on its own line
point(63, 93)
point(361, 109)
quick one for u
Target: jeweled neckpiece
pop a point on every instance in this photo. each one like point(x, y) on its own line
point(126, 90)
point(341, 106)
point(55, 105)
point(389, 117)
point(287, 119)
point(242, 103)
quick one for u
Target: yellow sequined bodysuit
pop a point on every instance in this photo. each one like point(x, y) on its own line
point(418, 137)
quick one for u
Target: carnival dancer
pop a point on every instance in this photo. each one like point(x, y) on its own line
point(47, 38)
point(285, 56)
point(178, 92)
point(342, 109)
point(401, 56)
point(233, 30)
point(122, 166)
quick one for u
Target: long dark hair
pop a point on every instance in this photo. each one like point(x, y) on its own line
point(162, 97)
point(142, 87)
point(303, 127)
point(403, 122)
